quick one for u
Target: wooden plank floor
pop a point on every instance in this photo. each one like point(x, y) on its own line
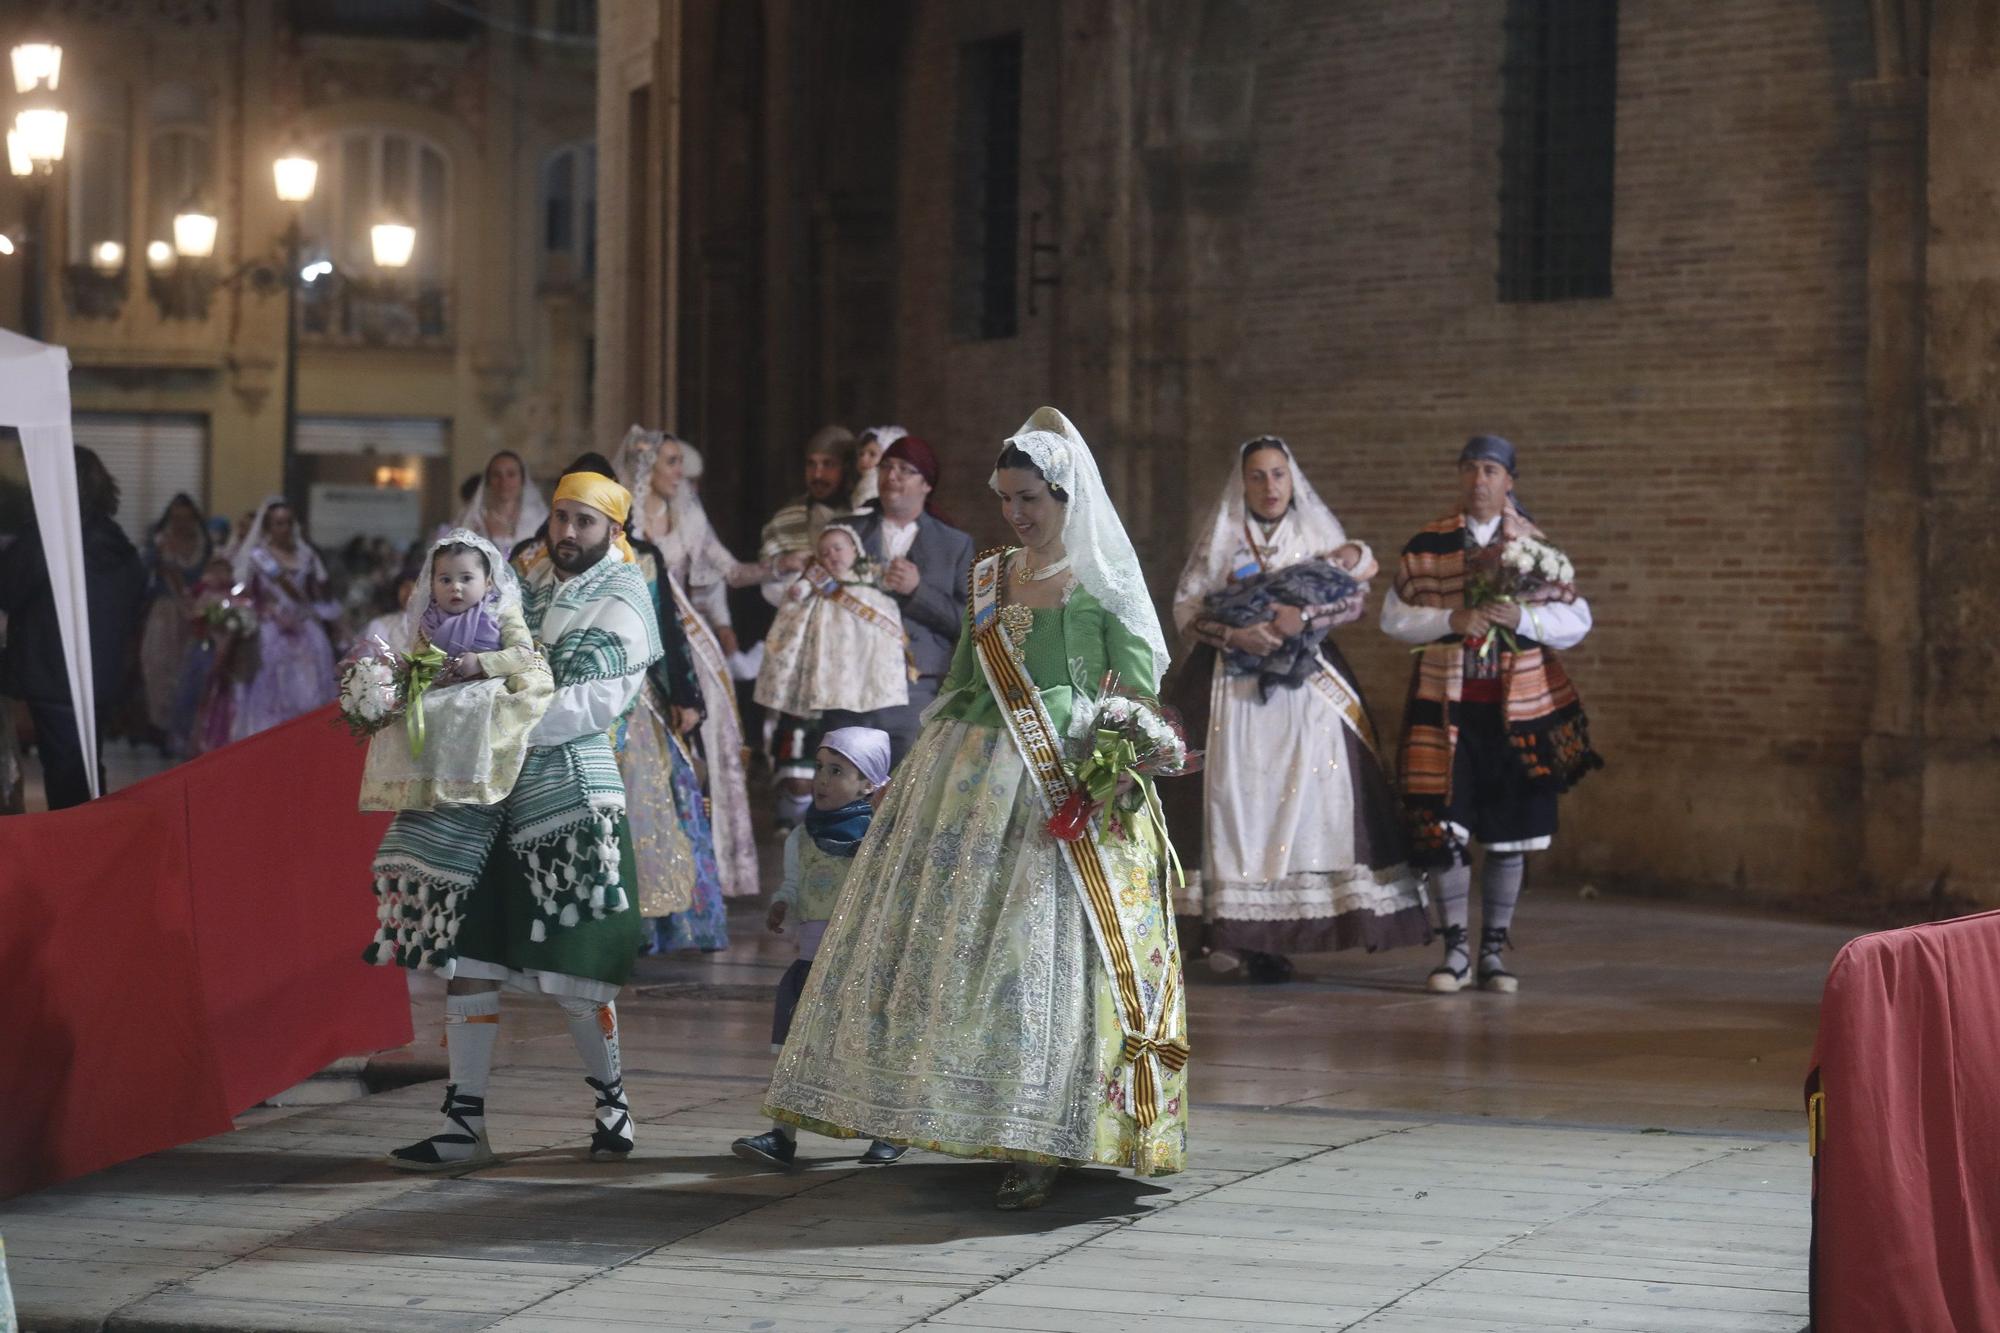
point(1291, 1220)
point(1367, 1157)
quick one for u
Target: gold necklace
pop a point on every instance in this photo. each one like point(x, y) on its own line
point(1049, 571)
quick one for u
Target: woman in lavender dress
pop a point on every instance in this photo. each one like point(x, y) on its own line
point(287, 580)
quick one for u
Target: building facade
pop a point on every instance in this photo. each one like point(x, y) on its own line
point(471, 123)
point(1725, 277)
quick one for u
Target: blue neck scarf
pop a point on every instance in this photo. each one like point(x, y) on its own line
point(839, 832)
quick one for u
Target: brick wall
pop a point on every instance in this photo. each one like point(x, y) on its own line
point(1695, 442)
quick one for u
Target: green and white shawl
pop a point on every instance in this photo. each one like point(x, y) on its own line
point(562, 817)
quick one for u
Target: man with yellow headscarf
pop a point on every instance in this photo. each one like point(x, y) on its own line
point(555, 909)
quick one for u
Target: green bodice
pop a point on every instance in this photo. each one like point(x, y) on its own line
point(1080, 630)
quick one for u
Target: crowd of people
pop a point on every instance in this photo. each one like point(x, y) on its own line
point(976, 975)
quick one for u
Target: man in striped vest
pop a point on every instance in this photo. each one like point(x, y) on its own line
point(1493, 732)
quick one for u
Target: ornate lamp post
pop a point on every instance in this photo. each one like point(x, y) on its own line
point(295, 177)
point(35, 145)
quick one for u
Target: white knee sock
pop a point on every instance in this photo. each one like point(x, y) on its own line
point(471, 1026)
point(594, 1029)
point(1500, 888)
point(1454, 891)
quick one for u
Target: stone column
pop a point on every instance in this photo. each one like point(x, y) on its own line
point(1894, 525)
point(1962, 381)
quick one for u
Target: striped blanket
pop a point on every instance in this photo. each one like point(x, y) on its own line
point(561, 818)
point(1547, 729)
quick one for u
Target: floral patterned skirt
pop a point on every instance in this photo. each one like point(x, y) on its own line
point(957, 1002)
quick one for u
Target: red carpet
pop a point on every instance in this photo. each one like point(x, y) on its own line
point(177, 952)
point(1906, 1183)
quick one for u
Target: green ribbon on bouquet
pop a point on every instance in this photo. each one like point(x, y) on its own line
point(1111, 757)
point(424, 668)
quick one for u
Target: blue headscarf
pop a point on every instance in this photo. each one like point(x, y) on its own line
point(839, 832)
point(1495, 449)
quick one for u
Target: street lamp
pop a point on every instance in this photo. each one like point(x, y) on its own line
point(194, 233)
point(36, 62)
point(392, 243)
point(295, 175)
point(35, 144)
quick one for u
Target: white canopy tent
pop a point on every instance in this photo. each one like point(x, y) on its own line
point(34, 400)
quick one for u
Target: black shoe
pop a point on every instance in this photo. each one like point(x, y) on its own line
point(1267, 969)
point(767, 1149)
point(465, 1146)
point(881, 1154)
point(1493, 974)
point(612, 1141)
point(1446, 979)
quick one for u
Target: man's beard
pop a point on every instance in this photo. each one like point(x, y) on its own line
point(568, 566)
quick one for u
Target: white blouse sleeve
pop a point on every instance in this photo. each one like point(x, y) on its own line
point(1557, 625)
point(1414, 624)
point(585, 709)
point(788, 883)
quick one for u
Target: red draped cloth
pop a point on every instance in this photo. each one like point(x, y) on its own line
point(1906, 1181)
point(176, 952)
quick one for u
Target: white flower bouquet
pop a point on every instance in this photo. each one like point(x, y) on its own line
point(229, 617)
point(1528, 572)
point(1126, 733)
point(374, 687)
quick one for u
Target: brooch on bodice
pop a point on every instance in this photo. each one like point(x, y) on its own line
point(1018, 621)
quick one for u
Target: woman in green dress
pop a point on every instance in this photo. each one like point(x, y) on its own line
point(984, 989)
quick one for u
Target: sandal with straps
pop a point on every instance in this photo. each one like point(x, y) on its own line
point(425, 1155)
point(611, 1142)
point(1444, 978)
point(1493, 975)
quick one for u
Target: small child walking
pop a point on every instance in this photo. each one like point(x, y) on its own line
point(851, 766)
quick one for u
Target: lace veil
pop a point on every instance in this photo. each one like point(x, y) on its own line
point(245, 559)
point(1223, 536)
point(534, 507)
point(504, 593)
point(1100, 552)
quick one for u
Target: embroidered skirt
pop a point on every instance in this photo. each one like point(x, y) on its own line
point(957, 1001)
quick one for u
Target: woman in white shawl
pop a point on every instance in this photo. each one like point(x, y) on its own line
point(1301, 848)
point(700, 571)
point(984, 989)
point(507, 508)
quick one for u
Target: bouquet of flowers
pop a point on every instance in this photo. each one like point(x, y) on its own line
point(231, 616)
point(1125, 732)
point(1528, 572)
point(374, 687)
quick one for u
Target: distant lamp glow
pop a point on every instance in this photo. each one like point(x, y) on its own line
point(6, 244)
point(36, 62)
point(296, 176)
point(313, 272)
point(393, 243)
point(107, 256)
point(159, 255)
point(194, 234)
point(18, 160)
point(43, 129)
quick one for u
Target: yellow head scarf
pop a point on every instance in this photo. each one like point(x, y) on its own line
point(604, 495)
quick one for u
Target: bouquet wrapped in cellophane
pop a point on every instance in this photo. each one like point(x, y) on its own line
point(232, 615)
point(379, 685)
point(1526, 572)
point(1117, 734)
